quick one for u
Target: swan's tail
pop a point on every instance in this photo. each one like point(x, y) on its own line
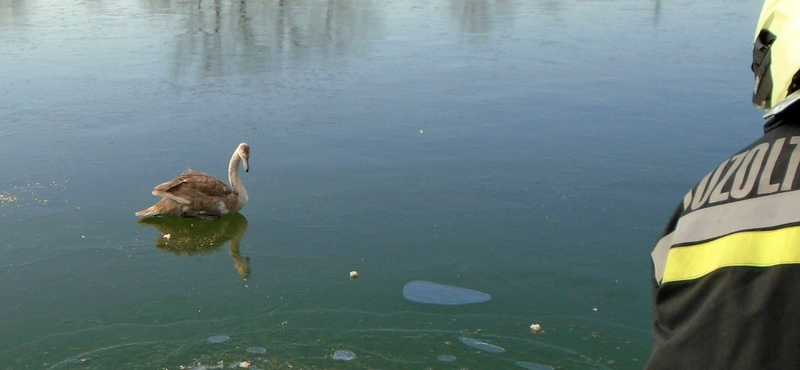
point(164, 207)
point(161, 208)
point(149, 212)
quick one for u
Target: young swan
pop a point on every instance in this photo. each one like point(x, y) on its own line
point(196, 194)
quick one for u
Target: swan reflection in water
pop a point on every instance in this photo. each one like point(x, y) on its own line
point(194, 236)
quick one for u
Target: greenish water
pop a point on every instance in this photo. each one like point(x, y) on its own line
point(528, 150)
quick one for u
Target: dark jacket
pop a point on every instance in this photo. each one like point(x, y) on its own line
point(726, 281)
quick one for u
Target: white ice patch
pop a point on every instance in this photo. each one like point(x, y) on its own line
point(218, 339)
point(483, 346)
point(343, 355)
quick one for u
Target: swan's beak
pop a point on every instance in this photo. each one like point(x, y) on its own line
point(246, 164)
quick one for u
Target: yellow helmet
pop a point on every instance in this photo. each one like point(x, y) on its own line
point(776, 56)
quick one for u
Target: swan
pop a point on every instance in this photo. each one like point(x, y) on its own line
point(196, 194)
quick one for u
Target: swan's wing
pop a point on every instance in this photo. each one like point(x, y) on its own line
point(191, 183)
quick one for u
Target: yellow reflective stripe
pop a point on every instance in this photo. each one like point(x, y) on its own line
point(751, 248)
point(712, 222)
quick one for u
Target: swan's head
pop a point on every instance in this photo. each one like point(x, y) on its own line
point(244, 153)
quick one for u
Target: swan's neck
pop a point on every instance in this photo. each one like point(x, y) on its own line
point(236, 182)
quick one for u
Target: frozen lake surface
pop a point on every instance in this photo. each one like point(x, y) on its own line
point(527, 150)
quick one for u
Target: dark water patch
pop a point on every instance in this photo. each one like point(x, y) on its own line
point(532, 366)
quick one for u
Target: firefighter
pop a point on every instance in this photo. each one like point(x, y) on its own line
point(726, 269)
